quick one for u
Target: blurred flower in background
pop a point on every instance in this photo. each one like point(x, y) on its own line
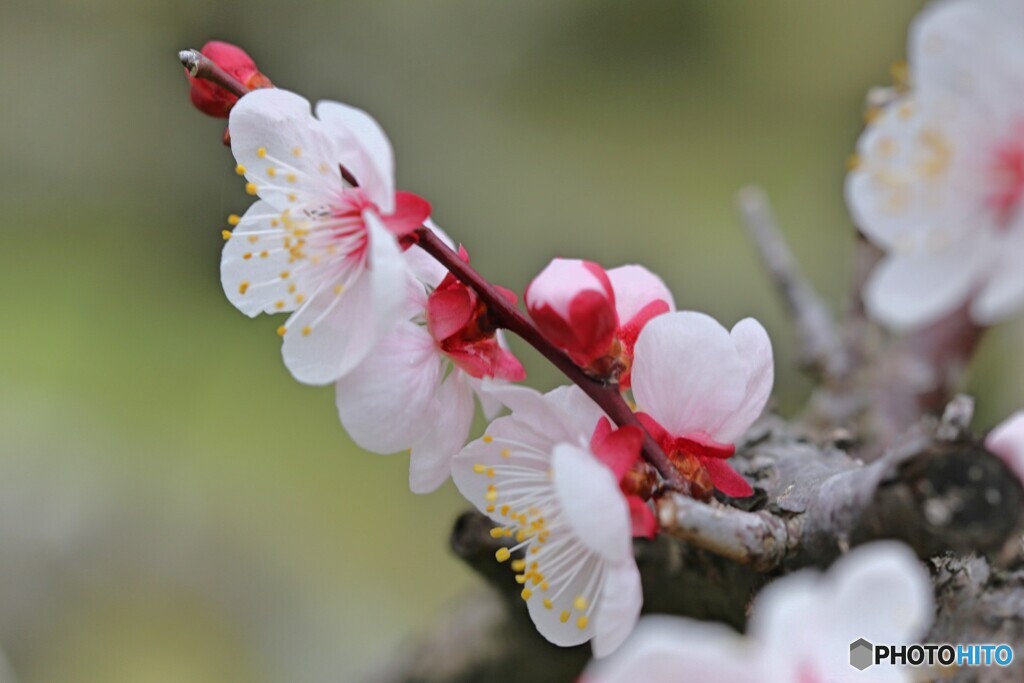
point(173, 507)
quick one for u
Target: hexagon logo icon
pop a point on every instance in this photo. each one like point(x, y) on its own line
point(861, 654)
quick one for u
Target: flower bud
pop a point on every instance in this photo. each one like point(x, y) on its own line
point(573, 305)
point(212, 99)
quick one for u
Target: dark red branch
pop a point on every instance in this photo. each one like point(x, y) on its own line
point(511, 318)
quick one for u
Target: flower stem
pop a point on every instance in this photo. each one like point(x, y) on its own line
point(200, 66)
point(511, 318)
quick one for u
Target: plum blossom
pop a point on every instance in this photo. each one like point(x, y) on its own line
point(596, 315)
point(1007, 442)
point(212, 99)
point(313, 244)
point(415, 389)
point(698, 388)
point(800, 629)
point(550, 476)
point(939, 183)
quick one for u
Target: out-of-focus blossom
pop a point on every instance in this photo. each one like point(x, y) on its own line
point(698, 388)
point(1007, 441)
point(596, 315)
point(415, 389)
point(211, 98)
point(939, 180)
point(549, 475)
point(800, 630)
point(314, 245)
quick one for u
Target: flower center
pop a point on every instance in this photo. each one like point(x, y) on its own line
point(1008, 178)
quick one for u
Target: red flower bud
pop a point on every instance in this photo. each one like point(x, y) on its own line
point(214, 100)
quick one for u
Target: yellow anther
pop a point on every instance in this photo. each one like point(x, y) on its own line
point(534, 550)
point(292, 287)
point(526, 594)
point(299, 298)
point(234, 219)
point(520, 578)
point(253, 239)
point(292, 197)
point(488, 438)
point(306, 331)
point(505, 510)
point(490, 508)
point(323, 167)
point(338, 289)
point(243, 288)
point(278, 304)
point(274, 222)
point(580, 603)
point(296, 152)
point(564, 616)
point(479, 469)
point(544, 586)
point(506, 453)
point(534, 566)
point(497, 532)
point(582, 622)
point(491, 496)
point(264, 254)
point(520, 536)
point(536, 579)
point(281, 330)
point(519, 565)
point(247, 255)
point(285, 274)
point(853, 162)
point(508, 533)
point(548, 604)
point(271, 171)
point(250, 188)
point(226, 234)
point(240, 170)
point(261, 152)
point(502, 554)
point(291, 177)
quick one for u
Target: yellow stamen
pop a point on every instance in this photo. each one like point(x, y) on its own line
point(548, 604)
point(518, 565)
point(240, 170)
point(582, 622)
point(261, 152)
point(281, 330)
point(564, 616)
point(243, 288)
point(502, 554)
point(580, 603)
point(488, 438)
point(526, 594)
point(250, 188)
point(226, 234)
point(306, 331)
point(234, 219)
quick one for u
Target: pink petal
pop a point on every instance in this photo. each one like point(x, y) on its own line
point(618, 449)
point(645, 524)
point(411, 212)
point(619, 610)
point(430, 459)
point(1007, 441)
point(687, 374)
point(487, 359)
point(635, 289)
point(364, 149)
point(726, 479)
point(572, 303)
point(594, 507)
point(449, 310)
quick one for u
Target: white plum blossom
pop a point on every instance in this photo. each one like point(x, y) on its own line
point(800, 629)
point(415, 389)
point(1007, 442)
point(549, 476)
point(939, 179)
point(698, 388)
point(314, 245)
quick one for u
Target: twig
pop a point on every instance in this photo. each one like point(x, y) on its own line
point(509, 317)
point(820, 344)
point(200, 66)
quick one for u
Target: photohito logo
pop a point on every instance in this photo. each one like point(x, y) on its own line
point(864, 654)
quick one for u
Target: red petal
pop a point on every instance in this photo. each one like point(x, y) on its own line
point(656, 431)
point(726, 479)
point(617, 449)
point(703, 446)
point(630, 330)
point(449, 310)
point(645, 524)
point(410, 212)
point(487, 359)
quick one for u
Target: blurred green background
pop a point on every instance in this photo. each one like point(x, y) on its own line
point(173, 507)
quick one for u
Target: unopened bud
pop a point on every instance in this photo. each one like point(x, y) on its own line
point(213, 99)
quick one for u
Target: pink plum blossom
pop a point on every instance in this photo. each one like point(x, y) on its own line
point(415, 389)
point(596, 315)
point(550, 476)
point(313, 245)
point(800, 629)
point(698, 388)
point(212, 99)
point(1007, 442)
point(940, 181)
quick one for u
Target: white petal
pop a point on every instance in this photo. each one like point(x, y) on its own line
point(424, 267)
point(560, 282)
point(584, 584)
point(592, 503)
point(257, 271)
point(617, 614)
point(636, 287)
point(673, 650)
point(530, 407)
point(365, 150)
point(1007, 441)
point(489, 404)
point(755, 351)
point(430, 460)
point(687, 374)
point(343, 328)
point(1003, 294)
point(283, 149)
point(387, 403)
point(910, 291)
point(578, 408)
